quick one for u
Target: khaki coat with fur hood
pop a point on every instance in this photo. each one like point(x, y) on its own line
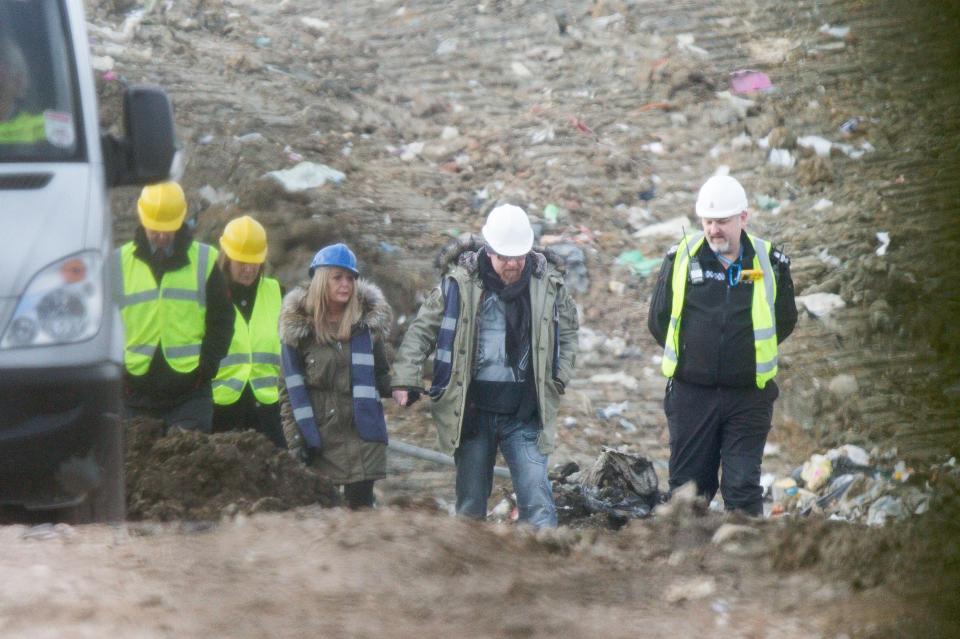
point(344, 458)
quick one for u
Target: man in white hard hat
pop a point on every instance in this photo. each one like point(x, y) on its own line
point(723, 302)
point(504, 332)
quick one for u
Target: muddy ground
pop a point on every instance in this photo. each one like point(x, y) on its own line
point(613, 112)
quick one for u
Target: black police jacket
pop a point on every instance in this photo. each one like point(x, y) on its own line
point(716, 328)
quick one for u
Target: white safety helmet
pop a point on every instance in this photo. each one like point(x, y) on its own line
point(508, 231)
point(721, 196)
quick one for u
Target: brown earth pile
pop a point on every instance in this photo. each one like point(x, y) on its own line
point(192, 476)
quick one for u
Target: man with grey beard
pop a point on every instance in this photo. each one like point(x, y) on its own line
point(723, 302)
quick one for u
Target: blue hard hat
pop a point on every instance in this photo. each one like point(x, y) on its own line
point(335, 255)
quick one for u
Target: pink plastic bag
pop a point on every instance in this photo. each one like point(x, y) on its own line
point(748, 81)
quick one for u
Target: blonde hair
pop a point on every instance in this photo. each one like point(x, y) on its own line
point(317, 300)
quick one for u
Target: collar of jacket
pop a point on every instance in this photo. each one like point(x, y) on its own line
point(181, 244)
point(296, 321)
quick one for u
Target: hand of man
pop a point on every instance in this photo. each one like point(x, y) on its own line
point(401, 397)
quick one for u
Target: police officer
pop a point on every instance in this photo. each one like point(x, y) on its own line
point(723, 302)
point(176, 315)
point(245, 391)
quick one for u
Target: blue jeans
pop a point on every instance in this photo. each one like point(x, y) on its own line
point(528, 469)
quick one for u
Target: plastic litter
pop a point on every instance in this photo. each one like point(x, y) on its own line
point(883, 509)
point(685, 42)
point(636, 262)
point(768, 203)
point(627, 381)
point(835, 32)
point(672, 228)
point(821, 304)
point(816, 471)
point(551, 213)
point(574, 259)
point(884, 239)
point(612, 410)
point(306, 175)
point(749, 81)
point(782, 158)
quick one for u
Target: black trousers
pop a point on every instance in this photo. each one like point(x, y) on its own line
point(719, 429)
point(359, 494)
point(247, 413)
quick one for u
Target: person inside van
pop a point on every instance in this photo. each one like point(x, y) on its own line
point(176, 313)
point(17, 126)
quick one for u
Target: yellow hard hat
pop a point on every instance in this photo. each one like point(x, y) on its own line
point(244, 240)
point(162, 206)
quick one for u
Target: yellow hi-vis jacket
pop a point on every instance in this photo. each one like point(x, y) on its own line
point(254, 354)
point(762, 309)
point(171, 316)
point(25, 128)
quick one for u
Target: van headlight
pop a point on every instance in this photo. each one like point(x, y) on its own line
point(62, 304)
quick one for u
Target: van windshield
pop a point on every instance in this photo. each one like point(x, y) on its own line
point(39, 118)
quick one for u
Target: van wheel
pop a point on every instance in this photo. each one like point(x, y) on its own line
point(106, 503)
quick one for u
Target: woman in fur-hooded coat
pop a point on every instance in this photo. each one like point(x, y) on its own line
point(320, 324)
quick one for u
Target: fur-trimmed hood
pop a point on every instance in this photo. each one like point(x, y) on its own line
point(464, 250)
point(296, 321)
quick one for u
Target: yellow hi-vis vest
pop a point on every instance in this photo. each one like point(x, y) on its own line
point(762, 309)
point(254, 354)
point(171, 316)
point(25, 128)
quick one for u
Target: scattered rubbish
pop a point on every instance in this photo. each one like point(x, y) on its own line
point(782, 158)
point(546, 134)
point(446, 46)
point(731, 532)
point(249, 137)
point(835, 32)
point(387, 247)
point(685, 42)
point(520, 70)
point(627, 381)
point(306, 175)
point(580, 125)
point(768, 203)
point(262, 42)
point(816, 471)
point(749, 81)
point(575, 265)
point(449, 133)
point(636, 262)
point(617, 288)
point(672, 228)
point(47, 532)
point(627, 425)
point(822, 204)
point(843, 386)
point(411, 151)
point(551, 213)
point(612, 410)
point(211, 195)
point(783, 488)
point(884, 508)
point(820, 145)
point(741, 106)
point(821, 304)
point(851, 125)
point(690, 589)
point(829, 260)
point(884, 239)
point(621, 484)
point(316, 26)
point(653, 147)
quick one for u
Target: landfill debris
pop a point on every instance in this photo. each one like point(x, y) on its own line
point(306, 175)
point(672, 228)
point(613, 410)
point(575, 275)
point(816, 471)
point(782, 158)
point(843, 386)
point(850, 126)
point(685, 42)
point(822, 204)
point(211, 195)
point(749, 81)
point(690, 589)
point(636, 262)
point(551, 213)
point(835, 31)
point(821, 304)
point(48, 532)
point(884, 239)
point(767, 203)
point(616, 287)
point(620, 485)
point(316, 26)
point(730, 532)
point(627, 381)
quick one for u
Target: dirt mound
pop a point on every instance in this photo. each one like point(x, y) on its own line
point(187, 475)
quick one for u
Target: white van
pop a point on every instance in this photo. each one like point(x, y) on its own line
point(60, 334)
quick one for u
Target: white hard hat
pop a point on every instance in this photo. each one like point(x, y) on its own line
point(721, 196)
point(508, 231)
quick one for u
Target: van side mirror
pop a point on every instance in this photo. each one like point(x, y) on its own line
point(145, 153)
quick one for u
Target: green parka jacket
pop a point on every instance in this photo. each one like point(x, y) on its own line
point(548, 296)
point(344, 457)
